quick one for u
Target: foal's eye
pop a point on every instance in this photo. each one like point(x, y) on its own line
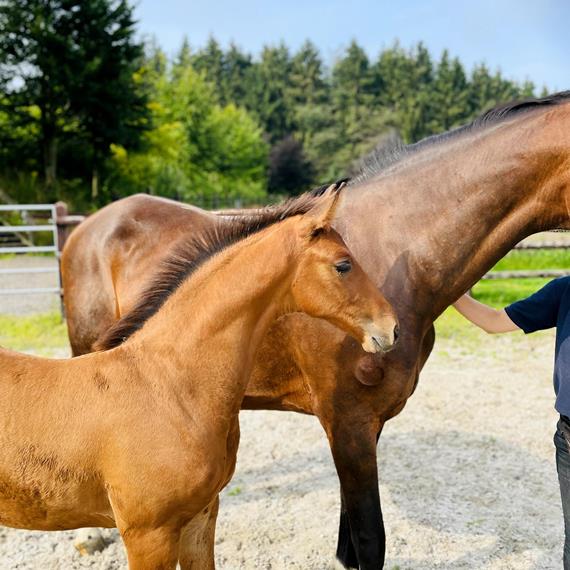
point(343, 266)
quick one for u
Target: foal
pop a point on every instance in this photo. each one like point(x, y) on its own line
point(144, 436)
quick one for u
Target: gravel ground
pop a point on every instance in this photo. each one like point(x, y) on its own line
point(30, 303)
point(467, 471)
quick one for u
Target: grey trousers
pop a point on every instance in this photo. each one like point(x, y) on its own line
point(562, 444)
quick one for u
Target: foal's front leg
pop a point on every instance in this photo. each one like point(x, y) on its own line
point(151, 549)
point(197, 540)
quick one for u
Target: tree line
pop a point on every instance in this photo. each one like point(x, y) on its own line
point(90, 113)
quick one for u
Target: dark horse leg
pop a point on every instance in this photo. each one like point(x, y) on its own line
point(362, 539)
point(345, 552)
point(372, 548)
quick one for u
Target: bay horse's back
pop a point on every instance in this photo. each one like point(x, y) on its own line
point(105, 257)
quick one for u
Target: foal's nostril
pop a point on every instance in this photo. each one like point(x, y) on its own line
point(396, 333)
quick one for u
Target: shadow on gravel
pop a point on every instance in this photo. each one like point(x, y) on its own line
point(477, 486)
point(472, 488)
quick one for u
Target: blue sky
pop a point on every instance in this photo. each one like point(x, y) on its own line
point(524, 38)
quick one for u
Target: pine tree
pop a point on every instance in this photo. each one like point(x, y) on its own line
point(184, 57)
point(237, 66)
point(407, 80)
point(270, 98)
point(352, 81)
point(527, 89)
point(307, 83)
point(74, 60)
point(310, 99)
point(210, 61)
point(35, 71)
point(154, 62)
point(450, 95)
point(105, 96)
point(481, 95)
point(197, 150)
point(352, 123)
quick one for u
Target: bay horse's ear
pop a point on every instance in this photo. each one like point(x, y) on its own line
point(323, 213)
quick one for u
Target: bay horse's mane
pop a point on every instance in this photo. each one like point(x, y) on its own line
point(190, 253)
point(391, 150)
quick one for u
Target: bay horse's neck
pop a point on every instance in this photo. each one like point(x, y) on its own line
point(447, 215)
point(205, 336)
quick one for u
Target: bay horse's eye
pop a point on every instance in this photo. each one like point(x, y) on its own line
point(343, 266)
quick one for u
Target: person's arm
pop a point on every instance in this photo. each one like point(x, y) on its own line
point(485, 317)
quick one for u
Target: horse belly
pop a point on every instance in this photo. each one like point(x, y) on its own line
point(45, 504)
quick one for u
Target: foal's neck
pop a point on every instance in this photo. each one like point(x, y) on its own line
point(205, 336)
point(447, 215)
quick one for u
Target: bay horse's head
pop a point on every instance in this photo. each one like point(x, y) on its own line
point(330, 284)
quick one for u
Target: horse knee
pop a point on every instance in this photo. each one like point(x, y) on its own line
point(151, 549)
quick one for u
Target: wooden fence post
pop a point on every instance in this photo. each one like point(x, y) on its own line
point(61, 213)
point(65, 224)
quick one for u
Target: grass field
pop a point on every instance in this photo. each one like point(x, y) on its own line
point(534, 259)
point(44, 334)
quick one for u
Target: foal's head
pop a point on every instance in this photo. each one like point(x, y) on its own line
point(329, 283)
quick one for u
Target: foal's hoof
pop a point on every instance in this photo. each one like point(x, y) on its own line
point(89, 540)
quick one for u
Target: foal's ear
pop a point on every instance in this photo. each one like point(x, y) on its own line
point(321, 216)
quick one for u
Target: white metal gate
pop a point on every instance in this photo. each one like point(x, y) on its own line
point(50, 227)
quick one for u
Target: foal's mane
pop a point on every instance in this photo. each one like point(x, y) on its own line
point(190, 253)
point(391, 150)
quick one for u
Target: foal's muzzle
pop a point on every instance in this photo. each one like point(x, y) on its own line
point(376, 339)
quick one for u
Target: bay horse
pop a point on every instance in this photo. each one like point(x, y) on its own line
point(426, 221)
point(144, 436)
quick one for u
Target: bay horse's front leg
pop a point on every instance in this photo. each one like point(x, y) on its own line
point(345, 552)
point(197, 540)
point(362, 539)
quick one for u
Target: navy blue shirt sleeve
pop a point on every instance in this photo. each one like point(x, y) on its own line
point(540, 310)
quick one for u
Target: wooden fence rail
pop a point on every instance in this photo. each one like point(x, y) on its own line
point(524, 274)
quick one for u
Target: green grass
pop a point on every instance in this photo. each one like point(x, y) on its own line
point(452, 326)
point(8, 256)
point(44, 333)
point(501, 292)
point(534, 259)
